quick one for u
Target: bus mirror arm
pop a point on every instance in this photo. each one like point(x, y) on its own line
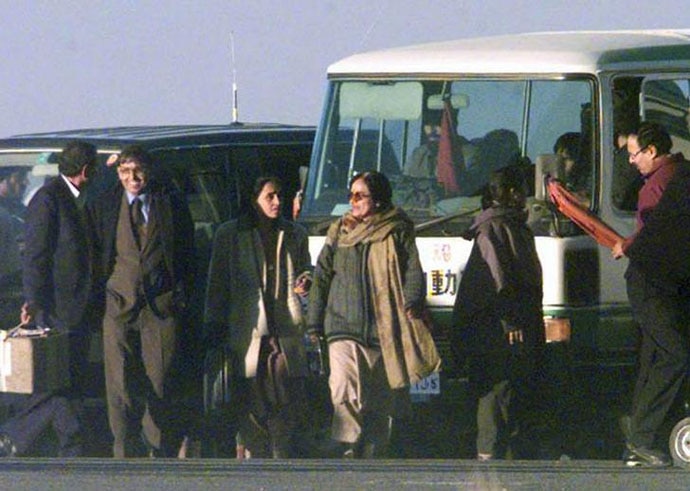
point(436, 221)
point(556, 222)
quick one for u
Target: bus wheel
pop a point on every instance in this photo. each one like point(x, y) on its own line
point(679, 443)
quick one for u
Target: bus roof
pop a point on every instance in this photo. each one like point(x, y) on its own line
point(545, 52)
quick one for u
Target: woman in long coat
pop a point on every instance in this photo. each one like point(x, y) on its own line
point(252, 307)
point(367, 299)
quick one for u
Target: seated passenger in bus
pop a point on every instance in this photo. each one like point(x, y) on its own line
point(495, 150)
point(422, 163)
point(421, 185)
point(578, 175)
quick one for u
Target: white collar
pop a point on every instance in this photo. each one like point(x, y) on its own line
point(73, 189)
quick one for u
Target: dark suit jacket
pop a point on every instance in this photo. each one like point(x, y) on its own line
point(176, 229)
point(56, 261)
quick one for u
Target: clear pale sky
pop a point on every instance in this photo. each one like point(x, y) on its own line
point(68, 64)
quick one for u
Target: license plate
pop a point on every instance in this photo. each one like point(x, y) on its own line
point(428, 385)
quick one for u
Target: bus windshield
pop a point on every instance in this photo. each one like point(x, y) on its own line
point(439, 140)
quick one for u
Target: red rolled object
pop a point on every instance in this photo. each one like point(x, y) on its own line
point(570, 206)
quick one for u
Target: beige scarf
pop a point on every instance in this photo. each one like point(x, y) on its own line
point(408, 350)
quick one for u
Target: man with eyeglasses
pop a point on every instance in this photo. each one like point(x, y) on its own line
point(143, 235)
point(657, 300)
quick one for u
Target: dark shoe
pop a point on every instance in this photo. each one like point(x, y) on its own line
point(645, 457)
point(151, 451)
point(7, 447)
point(349, 451)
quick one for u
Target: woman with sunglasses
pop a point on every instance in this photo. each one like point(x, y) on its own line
point(368, 300)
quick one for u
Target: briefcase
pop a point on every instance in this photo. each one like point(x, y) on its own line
point(32, 364)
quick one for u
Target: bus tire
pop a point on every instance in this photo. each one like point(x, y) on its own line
point(679, 443)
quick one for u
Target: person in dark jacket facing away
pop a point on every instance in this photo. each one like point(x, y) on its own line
point(143, 237)
point(57, 285)
point(368, 298)
point(498, 317)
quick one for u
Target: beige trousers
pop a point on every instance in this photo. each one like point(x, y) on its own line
point(362, 400)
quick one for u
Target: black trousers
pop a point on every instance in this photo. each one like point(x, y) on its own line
point(33, 414)
point(661, 314)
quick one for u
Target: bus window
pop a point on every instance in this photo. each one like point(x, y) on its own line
point(625, 179)
point(665, 101)
point(398, 127)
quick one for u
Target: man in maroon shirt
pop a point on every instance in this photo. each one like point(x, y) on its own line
point(655, 305)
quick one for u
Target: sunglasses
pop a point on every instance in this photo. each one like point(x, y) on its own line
point(357, 196)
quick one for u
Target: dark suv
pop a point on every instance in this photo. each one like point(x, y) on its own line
point(215, 165)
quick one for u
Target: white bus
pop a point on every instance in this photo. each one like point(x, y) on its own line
point(509, 99)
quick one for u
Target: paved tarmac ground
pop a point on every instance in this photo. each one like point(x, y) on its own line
point(578, 450)
point(334, 475)
point(583, 425)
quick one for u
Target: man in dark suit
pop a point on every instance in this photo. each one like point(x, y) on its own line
point(57, 291)
point(13, 182)
point(143, 234)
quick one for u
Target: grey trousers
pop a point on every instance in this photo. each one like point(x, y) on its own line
point(138, 355)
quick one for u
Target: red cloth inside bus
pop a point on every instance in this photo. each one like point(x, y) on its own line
point(445, 160)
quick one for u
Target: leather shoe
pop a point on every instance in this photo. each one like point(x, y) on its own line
point(7, 447)
point(645, 457)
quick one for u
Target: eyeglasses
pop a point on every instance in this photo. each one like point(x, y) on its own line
point(357, 196)
point(136, 173)
point(634, 155)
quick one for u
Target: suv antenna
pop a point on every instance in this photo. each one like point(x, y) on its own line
point(235, 113)
point(375, 20)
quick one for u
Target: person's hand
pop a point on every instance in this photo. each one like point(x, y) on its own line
point(27, 314)
point(413, 313)
point(617, 250)
point(516, 336)
point(297, 204)
point(303, 284)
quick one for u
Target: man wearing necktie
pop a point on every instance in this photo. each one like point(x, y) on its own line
point(144, 244)
point(138, 219)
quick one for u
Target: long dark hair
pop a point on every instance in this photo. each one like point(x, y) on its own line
point(249, 202)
